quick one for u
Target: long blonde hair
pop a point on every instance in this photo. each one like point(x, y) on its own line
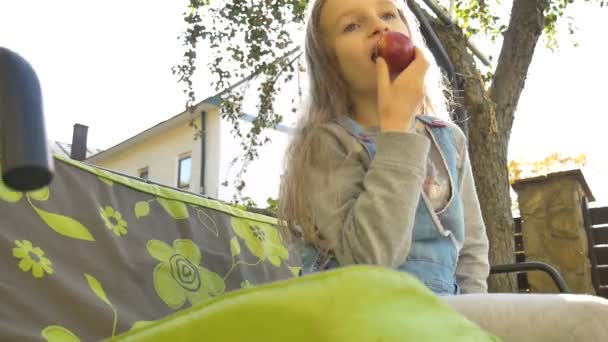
point(328, 98)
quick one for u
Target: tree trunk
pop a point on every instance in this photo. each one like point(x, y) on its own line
point(490, 121)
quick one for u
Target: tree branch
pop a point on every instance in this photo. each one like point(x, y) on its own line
point(520, 39)
point(258, 72)
point(274, 80)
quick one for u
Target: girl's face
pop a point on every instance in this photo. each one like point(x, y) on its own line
point(352, 29)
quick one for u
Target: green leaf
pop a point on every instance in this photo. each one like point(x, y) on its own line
point(235, 248)
point(39, 195)
point(142, 209)
point(56, 333)
point(97, 289)
point(64, 225)
point(9, 195)
point(176, 209)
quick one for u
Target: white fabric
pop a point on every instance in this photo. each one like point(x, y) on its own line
point(536, 317)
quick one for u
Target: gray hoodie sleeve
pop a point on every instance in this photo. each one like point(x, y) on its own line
point(473, 265)
point(367, 215)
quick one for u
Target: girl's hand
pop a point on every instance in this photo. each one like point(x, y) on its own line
point(400, 100)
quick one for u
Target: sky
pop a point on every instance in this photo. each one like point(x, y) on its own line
point(108, 65)
point(563, 105)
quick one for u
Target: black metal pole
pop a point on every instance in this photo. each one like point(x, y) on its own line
point(458, 111)
point(203, 136)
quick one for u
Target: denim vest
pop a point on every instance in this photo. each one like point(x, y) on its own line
point(437, 237)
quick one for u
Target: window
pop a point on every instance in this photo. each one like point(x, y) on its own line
point(143, 173)
point(184, 171)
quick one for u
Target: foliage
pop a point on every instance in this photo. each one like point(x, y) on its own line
point(244, 40)
point(553, 163)
point(254, 40)
point(490, 18)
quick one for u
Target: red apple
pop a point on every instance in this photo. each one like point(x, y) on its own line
point(397, 50)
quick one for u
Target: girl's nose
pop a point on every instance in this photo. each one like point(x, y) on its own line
point(378, 27)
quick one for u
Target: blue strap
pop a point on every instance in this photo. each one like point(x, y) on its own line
point(431, 121)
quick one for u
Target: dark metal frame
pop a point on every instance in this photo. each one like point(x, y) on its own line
point(595, 277)
point(527, 266)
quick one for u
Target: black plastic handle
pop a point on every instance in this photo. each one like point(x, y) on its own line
point(25, 159)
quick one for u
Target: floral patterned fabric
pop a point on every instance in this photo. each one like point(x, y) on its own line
point(96, 254)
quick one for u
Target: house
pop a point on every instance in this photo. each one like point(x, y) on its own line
point(171, 153)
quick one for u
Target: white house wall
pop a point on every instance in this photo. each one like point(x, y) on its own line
point(160, 154)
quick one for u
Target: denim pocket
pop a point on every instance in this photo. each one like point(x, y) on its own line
point(309, 256)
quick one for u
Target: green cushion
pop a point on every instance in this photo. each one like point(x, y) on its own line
point(359, 303)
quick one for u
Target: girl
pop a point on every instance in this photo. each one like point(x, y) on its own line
point(372, 177)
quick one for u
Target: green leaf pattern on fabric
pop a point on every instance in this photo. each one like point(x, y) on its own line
point(64, 225)
point(113, 220)
point(207, 221)
point(262, 239)
point(97, 289)
point(32, 258)
point(56, 333)
point(235, 247)
point(39, 195)
point(142, 209)
point(9, 195)
point(178, 210)
point(179, 277)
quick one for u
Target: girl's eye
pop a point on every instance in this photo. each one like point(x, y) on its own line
point(389, 16)
point(351, 27)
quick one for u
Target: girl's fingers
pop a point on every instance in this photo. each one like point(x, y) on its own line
point(420, 61)
point(415, 72)
point(382, 76)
